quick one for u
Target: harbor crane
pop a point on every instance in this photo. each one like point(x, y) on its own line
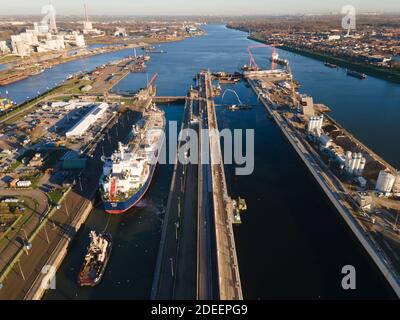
point(254, 67)
point(252, 63)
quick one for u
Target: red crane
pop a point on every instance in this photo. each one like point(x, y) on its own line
point(252, 64)
point(152, 79)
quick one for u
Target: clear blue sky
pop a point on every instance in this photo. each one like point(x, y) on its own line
point(200, 7)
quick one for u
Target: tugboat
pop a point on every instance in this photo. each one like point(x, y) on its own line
point(96, 259)
point(235, 107)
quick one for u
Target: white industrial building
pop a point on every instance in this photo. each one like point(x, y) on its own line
point(21, 44)
point(385, 182)
point(333, 37)
point(75, 39)
point(24, 184)
point(4, 48)
point(88, 26)
point(20, 48)
point(307, 106)
point(364, 200)
point(52, 43)
point(315, 125)
point(90, 118)
point(120, 32)
point(40, 39)
point(70, 105)
point(396, 185)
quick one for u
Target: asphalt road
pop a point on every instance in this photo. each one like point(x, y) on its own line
point(164, 281)
point(37, 206)
point(186, 266)
point(206, 236)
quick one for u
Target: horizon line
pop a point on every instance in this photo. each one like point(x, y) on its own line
point(209, 14)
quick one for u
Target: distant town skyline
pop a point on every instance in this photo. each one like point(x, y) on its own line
point(191, 7)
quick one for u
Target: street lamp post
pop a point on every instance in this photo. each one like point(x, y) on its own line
point(172, 267)
point(47, 236)
point(20, 269)
point(179, 206)
point(66, 208)
point(26, 243)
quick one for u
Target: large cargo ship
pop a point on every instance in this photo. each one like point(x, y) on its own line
point(127, 174)
point(356, 74)
point(96, 259)
point(330, 65)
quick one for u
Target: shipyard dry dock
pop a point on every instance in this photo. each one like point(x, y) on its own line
point(361, 185)
point(197, 256)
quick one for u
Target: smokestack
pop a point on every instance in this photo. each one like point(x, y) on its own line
point(86, 15)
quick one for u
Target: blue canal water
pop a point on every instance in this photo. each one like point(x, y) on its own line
point(292, 242)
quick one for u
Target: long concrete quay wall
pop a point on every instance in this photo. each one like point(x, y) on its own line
point(230, 287)
point(368, 243)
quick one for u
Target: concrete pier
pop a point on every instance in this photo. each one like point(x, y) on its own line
point(228, 269)
point(198, 217)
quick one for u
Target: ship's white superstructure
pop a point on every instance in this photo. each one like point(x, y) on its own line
point(131, 166)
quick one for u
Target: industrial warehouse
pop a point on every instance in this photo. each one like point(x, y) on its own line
point(80, 128)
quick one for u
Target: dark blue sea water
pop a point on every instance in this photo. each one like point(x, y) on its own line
point(292, 242)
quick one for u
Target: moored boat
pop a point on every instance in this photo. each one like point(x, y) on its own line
point(96, 259)
point(128, 173)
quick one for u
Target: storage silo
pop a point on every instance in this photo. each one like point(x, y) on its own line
point(310, 123)
point(353, 163)
point(396, 185)
point(348, 158)
point(362, 166)
point(358, 163)
point(320, 122)
point(385, 181)
point(315, 123)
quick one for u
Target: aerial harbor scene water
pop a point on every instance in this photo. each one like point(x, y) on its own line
point(107, 189)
